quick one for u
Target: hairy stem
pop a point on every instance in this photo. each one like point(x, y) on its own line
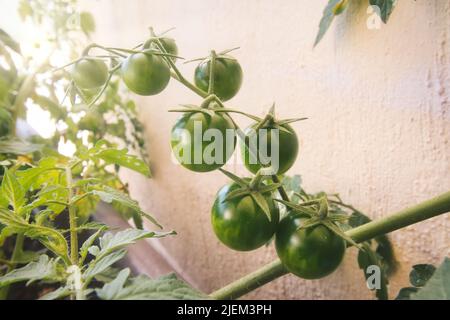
point(72, 220)
point(422, 211)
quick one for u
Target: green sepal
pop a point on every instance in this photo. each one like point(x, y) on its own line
point(262, 203)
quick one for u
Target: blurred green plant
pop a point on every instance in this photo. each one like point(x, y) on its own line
point(382, 8)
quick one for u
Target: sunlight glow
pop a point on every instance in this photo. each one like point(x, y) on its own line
point(41, 121)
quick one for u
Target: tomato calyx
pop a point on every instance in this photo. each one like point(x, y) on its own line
point(270, 121)
point(319, 214)
point(253, 188)
point(213, 54)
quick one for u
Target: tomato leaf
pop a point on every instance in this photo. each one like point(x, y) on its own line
point(87, 22)
point(420, 274)
point(143, 288)
point(88, 243)
point(368, 257)
point(328, 15)
point(110, 195)
point(384, 8)
point(59, 293)
point(18, 146)
point(100, 265)
point(111, 242)
point(43, 269)
point(121, 158)
point(50, 238)
point(12, 191)
point(438, 286)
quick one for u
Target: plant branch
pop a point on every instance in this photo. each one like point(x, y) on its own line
point(422, 211)
point(72, 221)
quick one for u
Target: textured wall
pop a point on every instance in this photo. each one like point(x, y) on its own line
point(379, 128)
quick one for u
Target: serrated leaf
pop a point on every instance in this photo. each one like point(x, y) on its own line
point(101, 264)
point(18, 147)
point(43, 269)
point(111, 242)
point(88, 243)
point(438, 286)
point(50, 238)
point(385, 8)
point(405, 293)
point(109, 195)
point(143, 288)
point(59, 293)
point(327, 19)
point(420, 274)
point(122, 158)
point(12, 191)
point(113, 288)
point(262, 203)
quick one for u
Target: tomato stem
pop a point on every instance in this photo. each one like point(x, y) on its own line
point(211, 72)
point(422, 211)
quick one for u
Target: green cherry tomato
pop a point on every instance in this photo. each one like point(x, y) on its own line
point(227, 76)
point(196, 147)
point(240, 223)
point(286, 148)
point(145, 74)
point(90, 73)
point(310, 253)
point(92, 121)
point(168, 43)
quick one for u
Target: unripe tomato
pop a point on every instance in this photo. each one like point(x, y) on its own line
point(286, 146)
point(92, 121)
point(90, 73)
point(309, 253)
point(145, 74)
point(227, 76)
point(168, 43)
point(240, 223)
point(184, 139)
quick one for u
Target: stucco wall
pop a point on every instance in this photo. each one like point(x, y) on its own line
point(379, 128)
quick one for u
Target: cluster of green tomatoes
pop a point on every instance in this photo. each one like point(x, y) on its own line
point(245, 214)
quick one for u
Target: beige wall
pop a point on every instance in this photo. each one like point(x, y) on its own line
point(379, 128)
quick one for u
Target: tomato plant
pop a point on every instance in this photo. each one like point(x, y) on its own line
point(39, 185)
